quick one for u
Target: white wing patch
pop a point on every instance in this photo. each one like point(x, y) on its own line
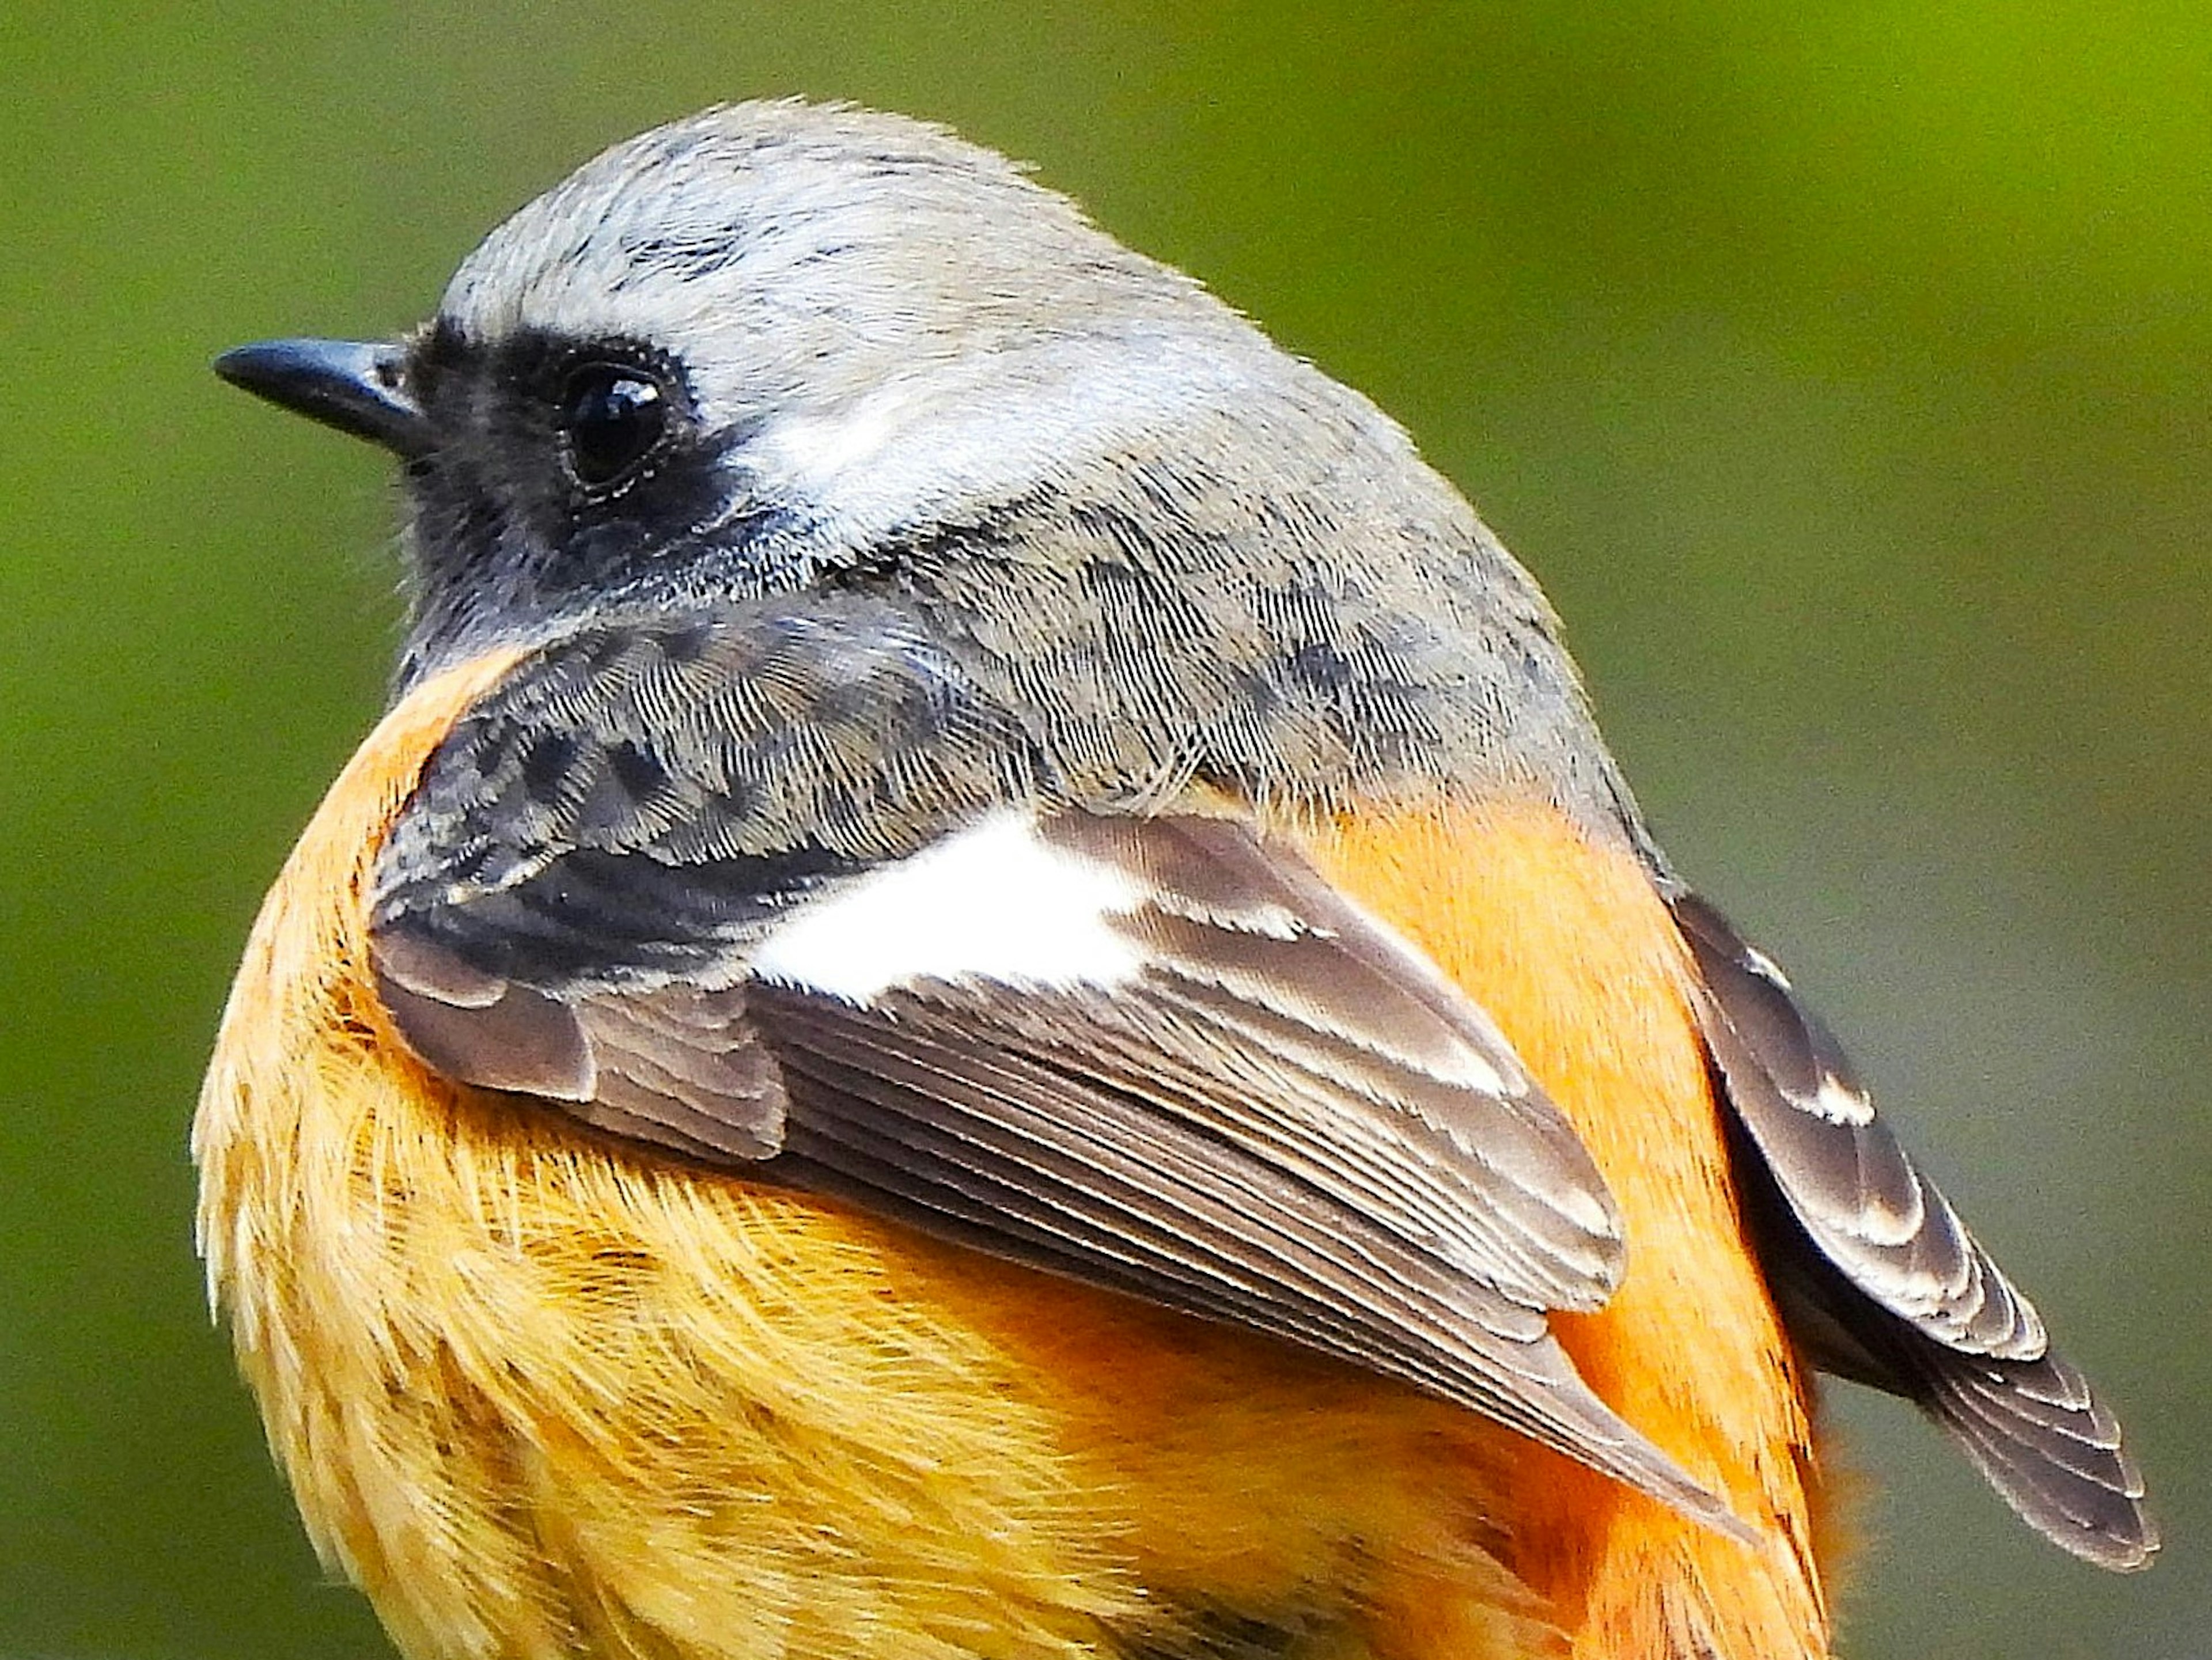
point(994, 902)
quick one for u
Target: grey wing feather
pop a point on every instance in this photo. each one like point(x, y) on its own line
point(1878, 1279)
point(1053, 1156)
point(1288, 1121)
point(1346, 1055)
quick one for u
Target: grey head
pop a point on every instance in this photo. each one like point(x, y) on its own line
point(777, 346)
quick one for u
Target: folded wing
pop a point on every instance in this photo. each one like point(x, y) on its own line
point(1878, 1279)
point(1157, 1054)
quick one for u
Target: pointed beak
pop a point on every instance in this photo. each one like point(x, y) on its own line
point(357, 388)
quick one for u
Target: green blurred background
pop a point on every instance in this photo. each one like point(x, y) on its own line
point(1841, 369)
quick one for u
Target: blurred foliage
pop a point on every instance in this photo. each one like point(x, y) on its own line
point(1841, 369)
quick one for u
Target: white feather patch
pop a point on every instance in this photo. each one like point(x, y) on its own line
point(992, 903)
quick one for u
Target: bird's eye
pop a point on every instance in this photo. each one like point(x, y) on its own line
point(613, 416)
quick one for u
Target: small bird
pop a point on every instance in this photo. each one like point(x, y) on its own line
point(988, 993)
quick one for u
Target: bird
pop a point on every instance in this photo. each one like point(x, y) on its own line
point(987, 992)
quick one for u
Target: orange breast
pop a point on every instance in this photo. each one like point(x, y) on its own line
point(539, 1393)
point(1571, 953)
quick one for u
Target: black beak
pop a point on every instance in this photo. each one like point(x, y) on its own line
point(359, 389)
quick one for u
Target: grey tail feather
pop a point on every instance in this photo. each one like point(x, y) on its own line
point(2046, 1444)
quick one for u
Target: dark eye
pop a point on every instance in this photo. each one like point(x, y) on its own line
point(612, 417)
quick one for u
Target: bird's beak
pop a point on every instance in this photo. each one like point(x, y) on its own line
point(357, 388)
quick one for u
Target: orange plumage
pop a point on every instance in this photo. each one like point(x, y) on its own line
point(534, 1389)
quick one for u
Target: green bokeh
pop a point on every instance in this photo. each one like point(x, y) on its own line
point(1841, 369)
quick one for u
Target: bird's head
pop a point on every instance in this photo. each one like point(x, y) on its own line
point(755, 348)
point(781, 346)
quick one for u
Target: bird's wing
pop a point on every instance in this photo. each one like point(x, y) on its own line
point(748, 890)
point(1878, 1279)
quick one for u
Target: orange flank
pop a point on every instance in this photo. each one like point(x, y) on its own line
point(542, 1395)
point(1570, 951)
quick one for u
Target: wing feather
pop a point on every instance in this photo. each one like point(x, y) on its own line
point(1878, 1277)
point(746, 887)
point(913, 1108)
